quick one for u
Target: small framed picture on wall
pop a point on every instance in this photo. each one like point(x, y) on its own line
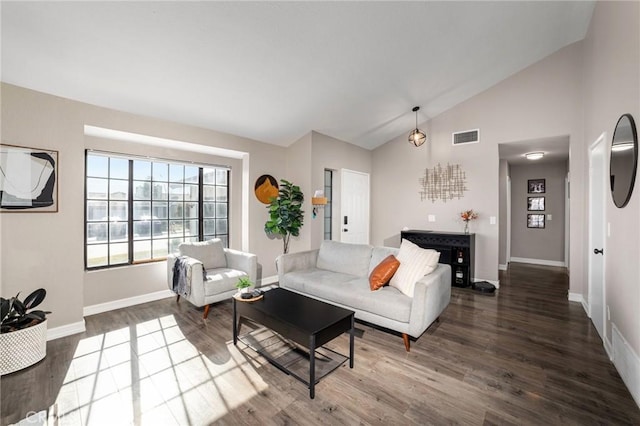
point(535, 204)
point(536, 186)
point(535, 221)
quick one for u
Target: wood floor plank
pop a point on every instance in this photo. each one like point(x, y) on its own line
point(524, 355)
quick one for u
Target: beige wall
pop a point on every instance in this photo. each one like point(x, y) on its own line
point(307, 159)
point(299, 173)
point(539, 102)
point(612, 88)
point(334, 154)
point(46, 249)
point(540, 244)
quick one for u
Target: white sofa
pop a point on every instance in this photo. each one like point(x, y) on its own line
point(223, 268)
point(338, 273)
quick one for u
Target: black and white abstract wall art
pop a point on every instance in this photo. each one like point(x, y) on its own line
point(535, 203)
point(535, 221)
point(536, 186)
point(28, 179)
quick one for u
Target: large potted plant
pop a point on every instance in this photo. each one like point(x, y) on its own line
point(23, 332)
point(285, 213)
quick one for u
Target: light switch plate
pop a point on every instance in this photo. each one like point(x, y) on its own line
point(549, 217)
point(432, 218)
point(492, 220)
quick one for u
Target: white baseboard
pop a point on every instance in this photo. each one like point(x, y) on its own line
point(586, 308)
point(578, 297)
point(269, 280)
point(608, 347)
point(124, 303)
point(65, 330)
point(627, 363)
point(538, 261)
point(494, 282)
point(503, 267)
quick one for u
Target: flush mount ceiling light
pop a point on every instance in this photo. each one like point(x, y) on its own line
point(417, 137)
point(534, 155)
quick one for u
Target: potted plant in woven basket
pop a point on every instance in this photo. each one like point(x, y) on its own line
point(23, 332)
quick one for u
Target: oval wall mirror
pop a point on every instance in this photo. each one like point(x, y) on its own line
point(624, 160)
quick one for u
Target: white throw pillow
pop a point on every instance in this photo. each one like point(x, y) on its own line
point(415, 263)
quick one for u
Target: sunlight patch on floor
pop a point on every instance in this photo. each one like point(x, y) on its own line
point(150, 373)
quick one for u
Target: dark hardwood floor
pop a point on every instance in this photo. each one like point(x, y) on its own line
point(522, 356)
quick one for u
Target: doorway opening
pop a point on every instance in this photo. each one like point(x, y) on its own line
point(533, 202)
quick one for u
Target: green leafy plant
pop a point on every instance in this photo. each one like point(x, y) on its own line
point(285, 213)
point(16, 314)
point(244, 282)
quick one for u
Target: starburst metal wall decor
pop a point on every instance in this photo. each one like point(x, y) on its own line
point(443, 183)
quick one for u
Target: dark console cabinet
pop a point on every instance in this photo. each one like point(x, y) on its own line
point(455, 249)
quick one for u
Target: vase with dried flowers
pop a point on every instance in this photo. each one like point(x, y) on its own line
point(467, 216)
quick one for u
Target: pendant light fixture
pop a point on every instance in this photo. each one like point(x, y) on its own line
point(417, 137)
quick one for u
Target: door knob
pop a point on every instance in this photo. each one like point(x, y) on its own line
point(596, 251)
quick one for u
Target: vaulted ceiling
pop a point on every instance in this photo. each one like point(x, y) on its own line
point(273, 71)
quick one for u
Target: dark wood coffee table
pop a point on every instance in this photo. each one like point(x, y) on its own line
point(308, 322)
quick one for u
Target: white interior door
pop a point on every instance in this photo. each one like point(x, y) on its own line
point(567, 221)
point(597, 221)
point(508, 219)
point(354, 207)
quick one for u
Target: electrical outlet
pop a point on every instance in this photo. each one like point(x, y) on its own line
point(432, 218)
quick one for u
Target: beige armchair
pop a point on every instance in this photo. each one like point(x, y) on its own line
point(206, 272)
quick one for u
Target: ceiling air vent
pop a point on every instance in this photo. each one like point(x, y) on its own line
point(468, 136)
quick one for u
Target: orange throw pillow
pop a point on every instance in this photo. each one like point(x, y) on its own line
point(382, 273)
